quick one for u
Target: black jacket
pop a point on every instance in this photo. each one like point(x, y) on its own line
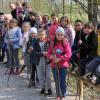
point(88, 49)
point(36, 53)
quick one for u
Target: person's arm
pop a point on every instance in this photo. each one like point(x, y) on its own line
point(17, 37)
point(67, 53)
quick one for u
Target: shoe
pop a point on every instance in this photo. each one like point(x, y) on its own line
point(5, 62)
point(31, 84)
point(17, 71)
point(63, 98)
point(49, 92)
point(58, 98)
point(11, 71)
point(42, 91)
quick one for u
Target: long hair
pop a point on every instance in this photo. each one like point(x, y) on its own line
point(67, 20)
point(56, 41)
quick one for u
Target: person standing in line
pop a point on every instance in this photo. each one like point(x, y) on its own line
point(60, 53)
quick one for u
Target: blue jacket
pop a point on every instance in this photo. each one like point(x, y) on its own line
point(16, 38)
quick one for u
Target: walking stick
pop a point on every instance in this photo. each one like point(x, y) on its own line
point(11, 54)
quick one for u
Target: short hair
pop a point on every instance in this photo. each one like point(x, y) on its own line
point(32, 13)
point(26, 23)
point(88, 25)
point(40, 30)
point(13, 21)
point(79, 21)
point(1, 13)
point(25, 4)
point(53, 15)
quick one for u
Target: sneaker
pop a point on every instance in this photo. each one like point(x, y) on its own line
point(42, 91)
point(49, 92)
point(97, 82)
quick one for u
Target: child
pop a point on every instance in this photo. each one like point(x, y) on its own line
point(60, 60)
point(78, 32)
point(25, 38)
point(69, 30)
point(2, 33)
point(54, 25)
point(88, 46)
point(30, 49)
point(43, 69)
point(12, 39)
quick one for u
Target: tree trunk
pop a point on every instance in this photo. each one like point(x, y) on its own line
point(92, 11)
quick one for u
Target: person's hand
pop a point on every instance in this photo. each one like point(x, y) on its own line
point(30, 50)
point(80, 42)
point(45, 53)
point(9, 42)
point(78, 55)
point(56, 60)
point(52, 57)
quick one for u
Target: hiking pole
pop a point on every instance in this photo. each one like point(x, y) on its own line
point(57, 79)
point(12, 58)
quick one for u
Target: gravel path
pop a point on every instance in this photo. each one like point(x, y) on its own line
point(18, 90)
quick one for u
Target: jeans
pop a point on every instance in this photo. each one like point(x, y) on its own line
point(62, 75)
point(92, 66)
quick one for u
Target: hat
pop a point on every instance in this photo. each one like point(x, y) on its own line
point(60, 30)
point(33, 30)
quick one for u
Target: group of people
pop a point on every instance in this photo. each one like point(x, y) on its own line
point(46, 44)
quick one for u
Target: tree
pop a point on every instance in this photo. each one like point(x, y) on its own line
point(91, 8)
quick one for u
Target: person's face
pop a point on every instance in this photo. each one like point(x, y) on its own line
point(12, 6)
point(18, 5)
point(1, 17)
point(37, 17)
point(87, 30)
point(59, 36)
point(25, 27)
point(33, 35)
point(32, 17)
point(42, 36)
point(20, 15)
point(63, 22)
point(78, 26)
point(54, 19)
point(12, 24)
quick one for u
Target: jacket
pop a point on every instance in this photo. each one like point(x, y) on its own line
point(36, 53)
point(88, 48)
point(15, 39)
point(52, 30)
point(65, 56)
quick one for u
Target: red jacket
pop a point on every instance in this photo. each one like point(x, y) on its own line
point(52, 30)
point(65, 57)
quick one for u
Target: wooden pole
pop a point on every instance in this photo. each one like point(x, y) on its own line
point(80, 89)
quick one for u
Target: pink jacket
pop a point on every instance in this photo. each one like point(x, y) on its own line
point(52, 30)
point(65, 57)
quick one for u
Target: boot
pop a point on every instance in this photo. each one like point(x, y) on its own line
point(11, 71)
